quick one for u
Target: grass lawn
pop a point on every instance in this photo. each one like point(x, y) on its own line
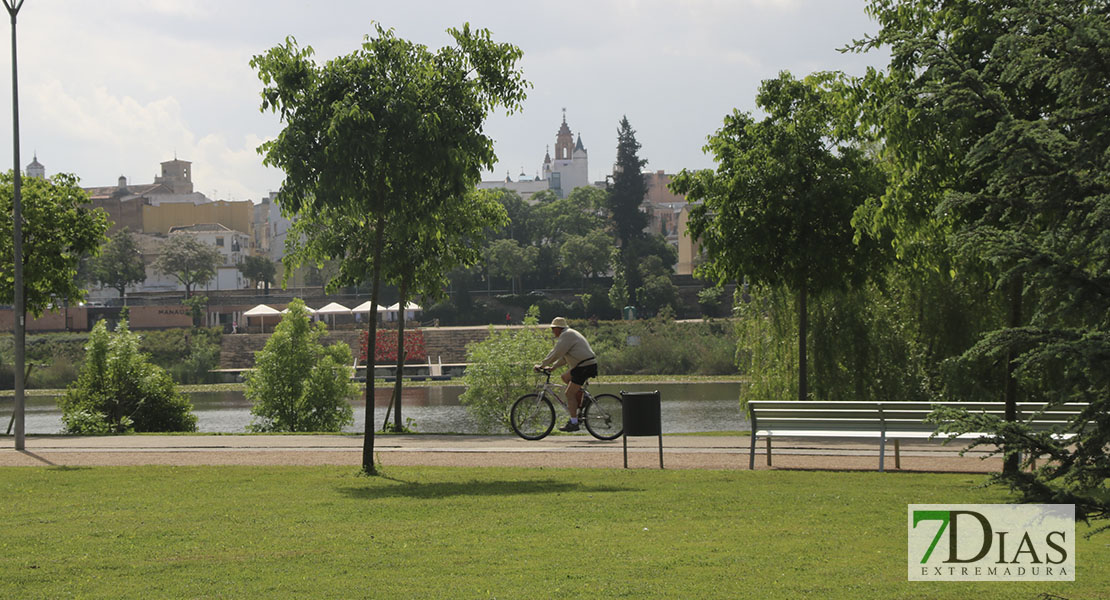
point(289, 532)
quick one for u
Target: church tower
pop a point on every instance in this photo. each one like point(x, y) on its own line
point(35, 169)
point(569, 168)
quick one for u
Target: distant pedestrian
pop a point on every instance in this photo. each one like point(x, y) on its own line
point(235, 327)
point(508, 319)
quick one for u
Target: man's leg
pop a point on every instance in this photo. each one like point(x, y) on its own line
point(574, 397)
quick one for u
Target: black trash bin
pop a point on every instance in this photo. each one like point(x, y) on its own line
point(643, 416)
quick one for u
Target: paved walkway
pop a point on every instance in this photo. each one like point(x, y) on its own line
point(679, 452)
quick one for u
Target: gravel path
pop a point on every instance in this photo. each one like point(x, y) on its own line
point(679, 452)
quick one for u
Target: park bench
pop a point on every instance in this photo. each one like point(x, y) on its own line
point(882, 420)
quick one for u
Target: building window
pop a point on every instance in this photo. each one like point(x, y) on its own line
point(220, 242)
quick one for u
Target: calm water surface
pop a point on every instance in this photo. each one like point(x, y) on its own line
point(687, 407)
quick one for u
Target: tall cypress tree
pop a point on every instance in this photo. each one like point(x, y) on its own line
point(625, 196)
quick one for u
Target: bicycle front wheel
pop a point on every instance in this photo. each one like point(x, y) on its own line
point(604, 417)
point(532, 417)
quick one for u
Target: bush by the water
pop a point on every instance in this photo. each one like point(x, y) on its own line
point(662, 346)
point(500, 370)
point(298, 384)
point(120, 391)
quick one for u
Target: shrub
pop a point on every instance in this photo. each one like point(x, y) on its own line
point(118, 390)
point(500, 370)
point(298, 384)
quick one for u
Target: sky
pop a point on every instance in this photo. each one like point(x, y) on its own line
point(115, 88)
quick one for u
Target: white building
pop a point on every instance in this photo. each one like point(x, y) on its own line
point(232, 245)
point(569, 169)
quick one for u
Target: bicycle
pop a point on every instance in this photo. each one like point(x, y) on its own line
point(533, 415)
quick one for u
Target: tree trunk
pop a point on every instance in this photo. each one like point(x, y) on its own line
point(1012, 464)
point(371, 352)
point(803, 322)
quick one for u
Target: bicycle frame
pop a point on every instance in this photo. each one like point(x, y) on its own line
point(549, 388)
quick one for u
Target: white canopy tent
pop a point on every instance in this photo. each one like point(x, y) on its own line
point(366, 308)
point(410, 311)
point(261, 312)
point(333, 309)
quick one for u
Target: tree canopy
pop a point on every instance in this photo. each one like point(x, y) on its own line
point(381, 136)
point(58, 230)
point(778, 209)
point(120, 263)
point(1009, 149)
point(188, 260)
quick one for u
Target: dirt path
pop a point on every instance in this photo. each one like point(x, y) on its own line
point(679, 452)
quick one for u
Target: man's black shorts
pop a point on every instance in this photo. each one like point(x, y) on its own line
point(581, 373)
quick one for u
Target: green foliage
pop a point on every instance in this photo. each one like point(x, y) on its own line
point(58, 230)
point(625, 197)
point(119, 264)
point(188, 260)
point(661, 346)
point(297, 384)
point(509, 259)
point(586, 255)
point(500, 370)
point(259, 269)
point(120, 391)
point(197, 306)
point(1008, 103)
point(786, 187)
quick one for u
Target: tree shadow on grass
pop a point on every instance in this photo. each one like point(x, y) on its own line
point(405, 489)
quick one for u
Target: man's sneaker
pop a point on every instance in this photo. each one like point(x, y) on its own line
point(569, 427)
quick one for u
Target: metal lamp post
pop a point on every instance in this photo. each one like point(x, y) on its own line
point(13, 7)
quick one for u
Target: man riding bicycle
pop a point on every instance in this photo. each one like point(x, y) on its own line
point(572, 349)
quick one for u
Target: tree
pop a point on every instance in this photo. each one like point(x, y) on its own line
point(420, 253)
point(379, 136)
point(120, 263)
point(506, 258)
point(188, 260)
point(259, 269)
point(297, 384)
point(586, 255)
point(119, 391)
point(625, 197)
point(1010, 104)
point(57, 232)
point(779, 208)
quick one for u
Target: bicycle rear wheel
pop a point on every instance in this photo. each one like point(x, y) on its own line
point(604, 418)
point(532, 417)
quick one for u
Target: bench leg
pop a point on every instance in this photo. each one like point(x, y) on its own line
point(897, 456)
point(882, 453)
point(751, 455)
point(768, 451)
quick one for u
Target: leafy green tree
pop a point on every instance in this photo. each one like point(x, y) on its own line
point(1010, 105)
point(507, 258)
point(420, 253)
point(379, 136)
point(259, 269)
point(779, 208)
point(57, 232)
point(586, 255)
point(297, 384)
point(625, 197)
point(658, 291)
point(120, 263)
point(500, 370)
point(188, 260)
point(119, 390)
point(198, 305)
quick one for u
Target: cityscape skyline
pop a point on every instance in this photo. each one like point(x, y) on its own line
point(150, 81)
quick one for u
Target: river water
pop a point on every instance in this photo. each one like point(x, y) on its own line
point(686, 408)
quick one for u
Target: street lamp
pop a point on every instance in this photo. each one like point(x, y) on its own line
point(19, 309)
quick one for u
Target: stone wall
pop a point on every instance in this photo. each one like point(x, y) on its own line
point(443, 344)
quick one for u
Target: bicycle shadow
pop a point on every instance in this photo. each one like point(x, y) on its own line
point(422, 490)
